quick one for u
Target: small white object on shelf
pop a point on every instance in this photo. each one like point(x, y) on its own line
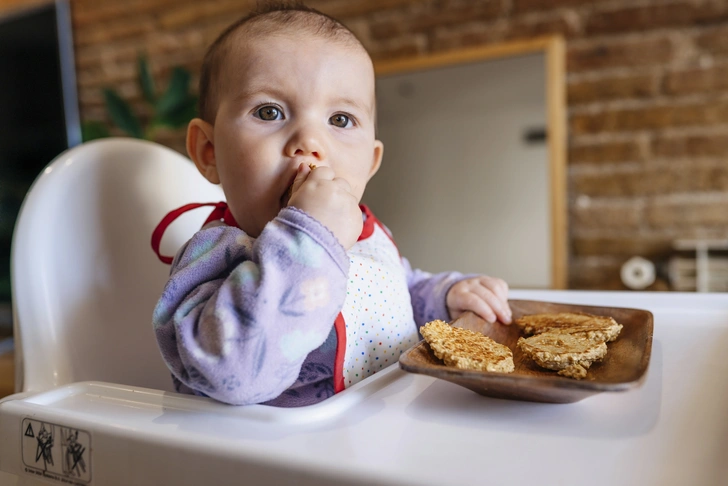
point(637, 273)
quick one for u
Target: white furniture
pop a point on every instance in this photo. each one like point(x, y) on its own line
point(84, 277)
point(393, 428)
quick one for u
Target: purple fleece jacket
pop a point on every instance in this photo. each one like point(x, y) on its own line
point(235, 322)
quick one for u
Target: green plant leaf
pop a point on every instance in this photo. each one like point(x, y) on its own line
point(181, 115)
point(176, 94)
point(92, 129)
point(146, 82)
point(121, 113)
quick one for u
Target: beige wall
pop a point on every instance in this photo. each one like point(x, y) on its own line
point(647, 95)
point(459, 187)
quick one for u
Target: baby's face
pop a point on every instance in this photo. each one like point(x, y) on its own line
point(287, 99)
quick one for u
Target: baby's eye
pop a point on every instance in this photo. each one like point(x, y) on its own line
point(341, 121)
point(269, 113)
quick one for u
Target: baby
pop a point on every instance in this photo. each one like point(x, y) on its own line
point(293, 291)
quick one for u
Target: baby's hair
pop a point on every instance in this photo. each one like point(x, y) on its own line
point(267, 18)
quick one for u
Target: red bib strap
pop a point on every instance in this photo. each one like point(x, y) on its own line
point(340, 327)
point(369, 223)
point(221, 211)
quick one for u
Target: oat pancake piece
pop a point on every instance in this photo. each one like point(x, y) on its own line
point(594, 328)
point(569, 354)
point(467, 349)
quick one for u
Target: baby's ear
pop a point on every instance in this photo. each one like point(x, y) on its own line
point(201, 148)
point(376, 157)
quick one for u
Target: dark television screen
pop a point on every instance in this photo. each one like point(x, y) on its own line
point(38, 108)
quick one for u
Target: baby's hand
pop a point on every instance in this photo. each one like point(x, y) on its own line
point(328, 199)
point(486, 296)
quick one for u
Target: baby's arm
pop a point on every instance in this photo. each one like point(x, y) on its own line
point(239, 316)
point(428, 293)
point(447, 295)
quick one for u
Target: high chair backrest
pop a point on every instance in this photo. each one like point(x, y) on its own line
point(84, 277)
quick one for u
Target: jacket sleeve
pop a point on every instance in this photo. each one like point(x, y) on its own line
point(238, 315)
point(428, 293)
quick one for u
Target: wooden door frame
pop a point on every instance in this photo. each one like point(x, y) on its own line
point(554, 49)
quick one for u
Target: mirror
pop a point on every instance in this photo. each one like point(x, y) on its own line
point(473, 176)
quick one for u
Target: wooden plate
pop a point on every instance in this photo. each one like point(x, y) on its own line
point(623, 368)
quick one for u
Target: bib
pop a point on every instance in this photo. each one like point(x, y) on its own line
point(377, 312)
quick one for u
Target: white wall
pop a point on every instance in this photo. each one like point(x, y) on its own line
point(459, 187)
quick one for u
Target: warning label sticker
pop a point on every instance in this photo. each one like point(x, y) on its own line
point(56, 452)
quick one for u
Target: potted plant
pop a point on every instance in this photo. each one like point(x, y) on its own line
point(174, 108)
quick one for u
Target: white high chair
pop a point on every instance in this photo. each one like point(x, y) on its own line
point(84, 277)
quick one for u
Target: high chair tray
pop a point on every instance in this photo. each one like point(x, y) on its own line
point(403, 428)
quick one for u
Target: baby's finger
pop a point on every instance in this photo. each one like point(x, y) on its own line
point(301, 176)
point(473, 302)
point(322, 174)
point(499, 306)
point(496, 285)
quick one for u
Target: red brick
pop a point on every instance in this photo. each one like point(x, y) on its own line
point(691, 146)
point(623, 244)
point(620, 151)
point(94, 12)
point(386, 29)
point(90, 98)
point(111, 32)
point(340, 9)
point(653, 180)
point(649, 118)
point(186, 14)
point(609, 215)
point(610, 184)
point(688, 212)
point(563, 25)
point(466, 36)
point(93, 113)
point(522, 6)
point(453, 13)
point(450, 12)
point(360, 28)
point(97, 78)
point(613, 88)
point(174, 139)
point(398, 48)
point(697, 80)
point(655, 16)
point(91, 56)
point(588, 273)
point(622, 53)
point(212, 29)
point(9, 7)
point(713, 41)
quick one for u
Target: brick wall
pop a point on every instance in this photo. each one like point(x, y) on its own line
point(647, 96)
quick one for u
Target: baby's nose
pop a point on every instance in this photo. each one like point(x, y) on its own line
point(307, 142)
point(314, 153)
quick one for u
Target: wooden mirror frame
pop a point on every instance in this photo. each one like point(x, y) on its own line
point(554, 49)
